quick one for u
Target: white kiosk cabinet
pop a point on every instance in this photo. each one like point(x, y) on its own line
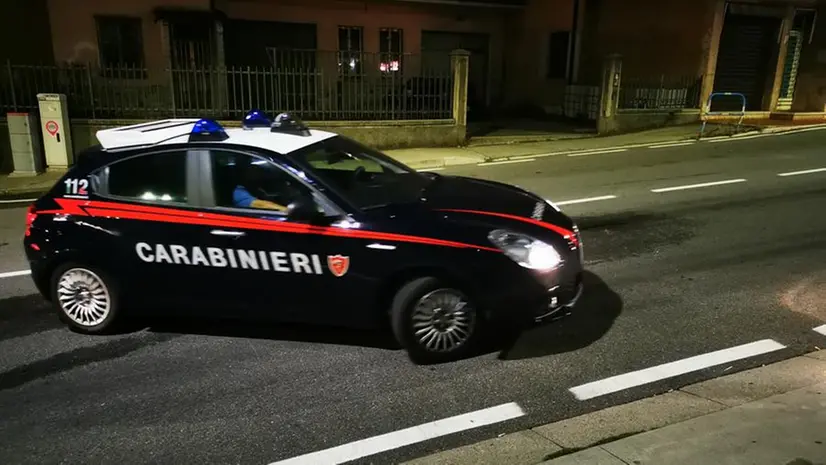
point(54, 124)
point(26, 146)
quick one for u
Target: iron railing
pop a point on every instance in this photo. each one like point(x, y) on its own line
point(660, 93)
point(314, 85)
point(581, 102)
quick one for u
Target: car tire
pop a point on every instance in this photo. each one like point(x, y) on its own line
point(409, 314)
point(94, 294)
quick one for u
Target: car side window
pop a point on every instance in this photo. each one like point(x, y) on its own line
point(341, 157)
point(158, 177)
point(241, 180)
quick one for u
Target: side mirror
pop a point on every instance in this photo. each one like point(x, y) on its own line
point(303, 208)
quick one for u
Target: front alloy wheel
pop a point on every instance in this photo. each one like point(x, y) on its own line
point(434, 322)
point(443, 321)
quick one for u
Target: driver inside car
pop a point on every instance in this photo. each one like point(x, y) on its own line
point(248, 192)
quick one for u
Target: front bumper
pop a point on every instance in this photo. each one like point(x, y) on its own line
point(561, 300)
point(528, 300)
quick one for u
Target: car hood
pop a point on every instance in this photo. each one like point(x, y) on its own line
point(482, 195)
point(465, 209)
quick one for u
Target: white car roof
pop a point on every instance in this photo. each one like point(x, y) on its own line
point(175, 131)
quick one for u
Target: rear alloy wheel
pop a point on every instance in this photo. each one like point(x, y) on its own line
point(433, 322)
point(85, 298)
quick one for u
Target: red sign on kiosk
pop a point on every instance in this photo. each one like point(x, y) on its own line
point(52, 127)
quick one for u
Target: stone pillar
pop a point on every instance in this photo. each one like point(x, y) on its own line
point(711, 47)
point(785, 28)
point(609, 95)
point(218, 70)
point(460, 65)
point(166, 49)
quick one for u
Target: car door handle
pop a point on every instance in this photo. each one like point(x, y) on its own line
point(221, 232)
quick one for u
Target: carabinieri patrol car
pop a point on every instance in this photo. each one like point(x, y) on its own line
point(277, 221)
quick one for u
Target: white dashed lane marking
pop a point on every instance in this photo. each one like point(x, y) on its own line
point(669, 370)
point(585, 200)
point(405, 437)
point(697, 186)
point(12, 274)
point(797, 173)
point(820, 329)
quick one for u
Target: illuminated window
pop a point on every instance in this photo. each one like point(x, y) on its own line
point(350, 48)
point(391, 49)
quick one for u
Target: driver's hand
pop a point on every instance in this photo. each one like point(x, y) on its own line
point(266, 204)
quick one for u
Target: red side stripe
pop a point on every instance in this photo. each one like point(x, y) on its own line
point(178, 216)
point(562, 231)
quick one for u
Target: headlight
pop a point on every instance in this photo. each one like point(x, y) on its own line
point(525, 250)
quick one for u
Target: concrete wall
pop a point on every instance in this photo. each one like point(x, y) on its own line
point(380, 135)
point(75, 36)
point(527, 42)
point(27, 19)
point(654, 37)
point(637, 120)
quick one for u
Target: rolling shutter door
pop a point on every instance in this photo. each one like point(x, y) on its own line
point(743, 60)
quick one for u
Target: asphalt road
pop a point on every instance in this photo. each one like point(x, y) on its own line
point(673, 274)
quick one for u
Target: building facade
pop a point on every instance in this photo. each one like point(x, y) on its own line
point(390, 59)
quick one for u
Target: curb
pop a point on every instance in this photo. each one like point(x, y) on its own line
point(545, 443)
point(21, 196)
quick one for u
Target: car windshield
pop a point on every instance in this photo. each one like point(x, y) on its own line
point(366, 177)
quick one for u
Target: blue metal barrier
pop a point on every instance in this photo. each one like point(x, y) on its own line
point(708, 106)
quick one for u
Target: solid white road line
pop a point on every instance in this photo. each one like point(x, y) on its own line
point(18, 201)
point(11, 274)
point(796, 173)
point(663, 146)
point(696, 186)
point(406, 437)
point(582, 154)
point(505, 162)
point(820, 329)
point(585, 200)
point(668, 370)
point(430, 169)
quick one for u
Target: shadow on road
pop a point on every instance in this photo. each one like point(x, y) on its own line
point(589, 321)
point(273, 331)
point(25, 315)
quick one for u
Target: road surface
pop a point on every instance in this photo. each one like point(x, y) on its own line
point(709, 255)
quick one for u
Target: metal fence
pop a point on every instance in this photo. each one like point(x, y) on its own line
point(581, 102)
point(660, 93)
point(314, 85)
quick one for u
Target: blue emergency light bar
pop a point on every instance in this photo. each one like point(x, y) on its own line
point(256, 119)
point(286, 124)
point(207, 130)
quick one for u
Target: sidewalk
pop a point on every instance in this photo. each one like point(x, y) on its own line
point(445, 157)
point(430, 158)
point(772, 415)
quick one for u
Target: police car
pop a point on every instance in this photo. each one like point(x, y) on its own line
point(277, 221)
